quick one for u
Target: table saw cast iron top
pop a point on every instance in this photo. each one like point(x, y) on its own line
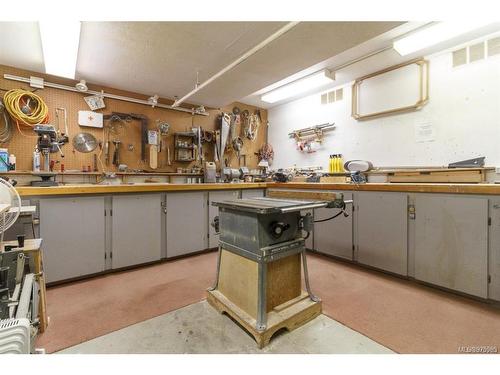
point(264, 229)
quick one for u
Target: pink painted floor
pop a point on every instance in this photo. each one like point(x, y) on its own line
point(401, 315)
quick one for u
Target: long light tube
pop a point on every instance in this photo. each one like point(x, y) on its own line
point(60, 41)
point(300, 86)
point(432, 35)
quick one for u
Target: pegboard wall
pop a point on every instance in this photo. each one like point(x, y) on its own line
point(22, 146)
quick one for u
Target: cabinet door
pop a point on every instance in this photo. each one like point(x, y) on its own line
point(451, 242)
point(252, 193)
point(382, 230)
point(334, 237)
point(73, 234)
point(214, 196)
point(187, 223)
point(136, 229)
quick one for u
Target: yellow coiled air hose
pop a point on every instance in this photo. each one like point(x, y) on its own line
point(26, 108)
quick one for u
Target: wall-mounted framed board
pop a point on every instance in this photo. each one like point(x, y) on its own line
point(397, 89)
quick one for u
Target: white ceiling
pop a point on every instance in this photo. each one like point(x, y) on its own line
point(21, 46)
point(306, 44)
point(386, 57)
point(163, 57)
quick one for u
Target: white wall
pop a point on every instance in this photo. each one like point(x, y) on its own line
point(464, 109)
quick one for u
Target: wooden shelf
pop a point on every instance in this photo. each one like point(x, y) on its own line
point(184, 153)
point(185, 134)
point(387, 170)
point(29, 173)
point(56, 173)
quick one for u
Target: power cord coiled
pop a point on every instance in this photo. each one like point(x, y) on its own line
point(26, 108)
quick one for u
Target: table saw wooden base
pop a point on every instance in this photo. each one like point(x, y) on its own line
point(289, 315)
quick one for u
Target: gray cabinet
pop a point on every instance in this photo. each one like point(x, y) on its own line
point(214, 196)
point(451, 242)
point(73, 236)
point(334, 237)
point(136, 229)
point(187, 223)
point(382, 229)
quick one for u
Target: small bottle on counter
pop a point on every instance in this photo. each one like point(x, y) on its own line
point(12, 162)
point(330, 164)
point(341, 164)
point(36, 160)
point(335, 163)
point(4, 163)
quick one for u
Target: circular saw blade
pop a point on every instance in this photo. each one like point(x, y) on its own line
point(84, 142)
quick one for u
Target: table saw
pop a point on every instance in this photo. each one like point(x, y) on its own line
point(261, 253)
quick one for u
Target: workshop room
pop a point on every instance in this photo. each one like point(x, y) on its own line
point(274, 184)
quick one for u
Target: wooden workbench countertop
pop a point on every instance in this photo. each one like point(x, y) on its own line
point(486, 189)
point(130, 188)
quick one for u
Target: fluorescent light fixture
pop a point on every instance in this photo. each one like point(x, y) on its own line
point(60, 40)
point(432, 35)
point(301, 85)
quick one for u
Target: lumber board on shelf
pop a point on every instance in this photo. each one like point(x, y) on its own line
point(450, 176)
point(30, 244)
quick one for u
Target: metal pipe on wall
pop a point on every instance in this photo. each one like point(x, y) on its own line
point(239, 60)
point(105, 95)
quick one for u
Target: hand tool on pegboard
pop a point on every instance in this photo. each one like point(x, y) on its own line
point(116, 154)
point(144, 127)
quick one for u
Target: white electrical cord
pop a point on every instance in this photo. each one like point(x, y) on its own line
point(5, 125)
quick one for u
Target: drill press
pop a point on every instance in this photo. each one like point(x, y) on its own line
point(47, 143)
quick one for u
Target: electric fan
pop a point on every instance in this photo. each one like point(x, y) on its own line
point(15, 332)
point(8, 196)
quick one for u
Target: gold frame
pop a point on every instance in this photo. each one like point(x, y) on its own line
point(423, 91)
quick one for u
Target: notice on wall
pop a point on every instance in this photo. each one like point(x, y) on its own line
point(424, 131)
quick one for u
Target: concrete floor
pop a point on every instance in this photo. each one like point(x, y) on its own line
point(198, 328)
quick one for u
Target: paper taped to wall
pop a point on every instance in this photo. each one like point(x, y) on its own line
point(424, 131)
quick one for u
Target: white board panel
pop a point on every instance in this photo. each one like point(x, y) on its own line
point(395, 89)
